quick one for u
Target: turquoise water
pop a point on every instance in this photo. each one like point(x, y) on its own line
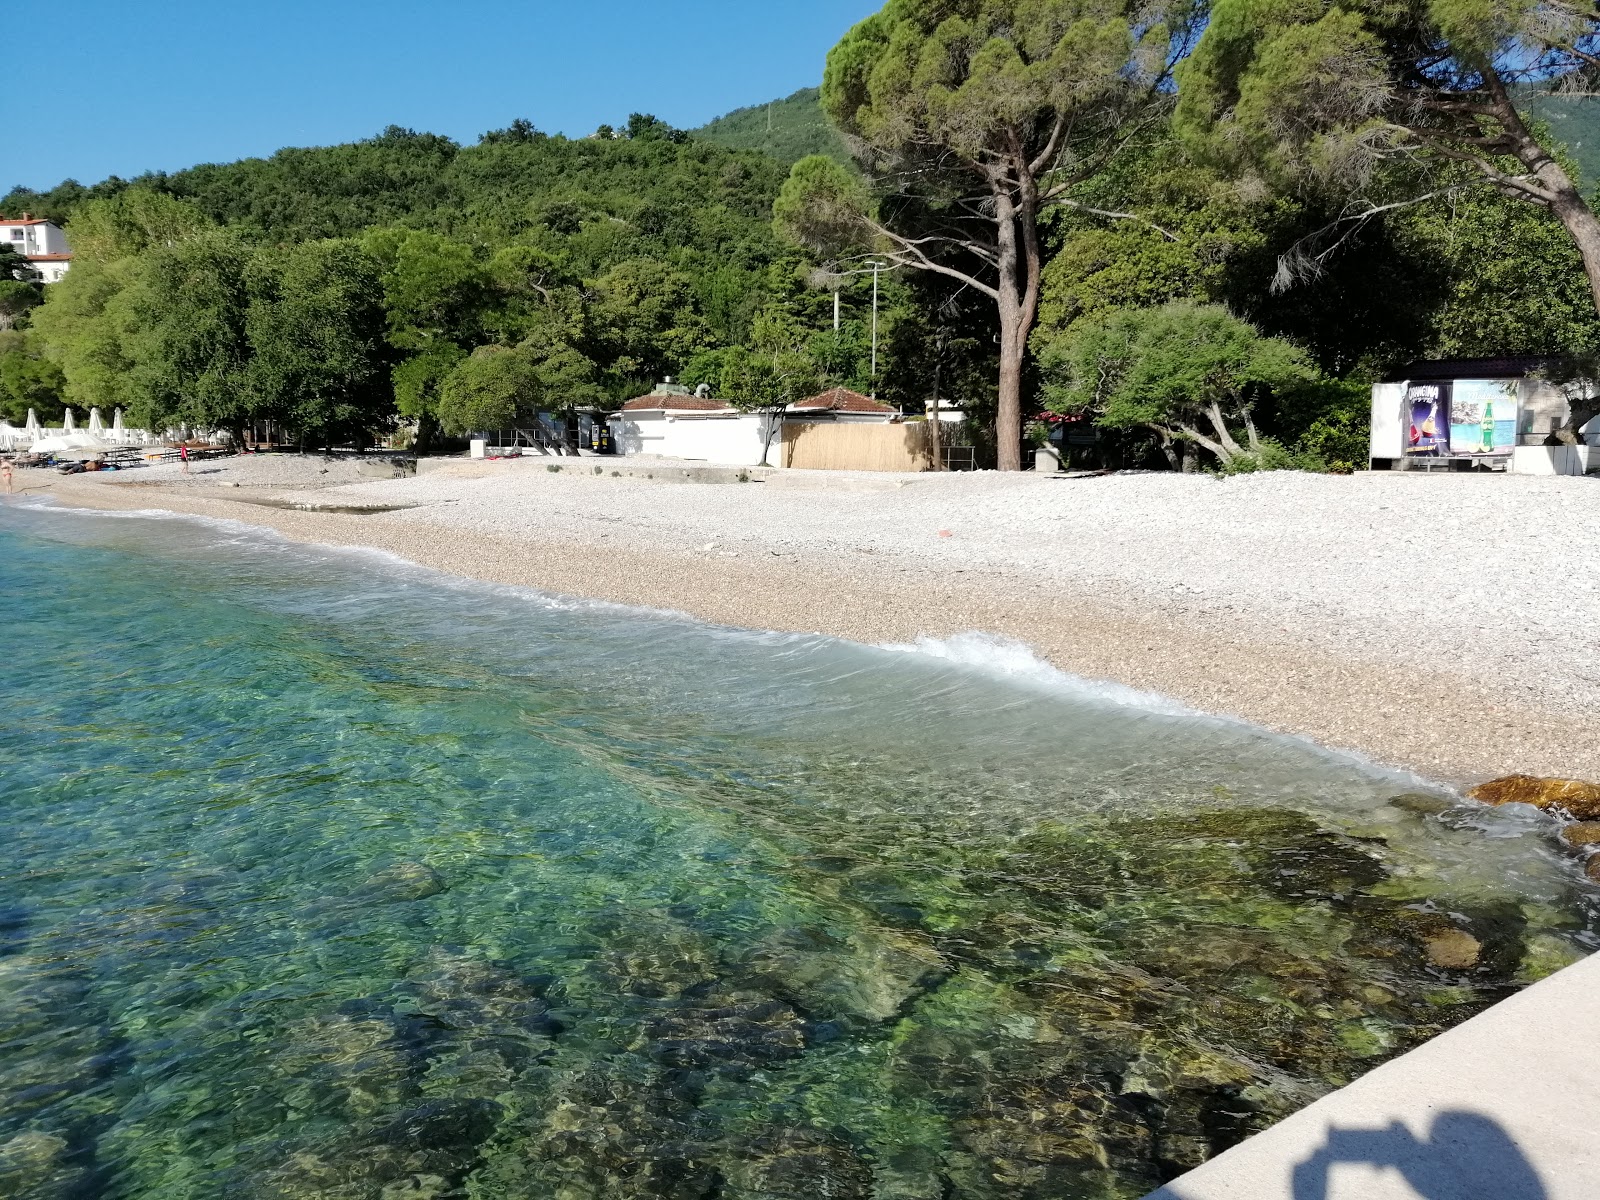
point(325, 876)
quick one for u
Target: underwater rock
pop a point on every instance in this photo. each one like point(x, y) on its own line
point(356, 1065)
point(799, 1164)
point(401, 882)
point(870, 974)
point(488, 1024)
point(32, 1167)
point(1571, 796)
point(1422, 804)
point(54, 1043)
point(744, 1031)
point(423, 1153)
point(657, 961)
point(608, 1133)
point(1453, 950)
point(1581, 833)
point(1545, 955)
point(1592, 869)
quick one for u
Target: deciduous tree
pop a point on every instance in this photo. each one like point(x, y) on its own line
point(1191, 373)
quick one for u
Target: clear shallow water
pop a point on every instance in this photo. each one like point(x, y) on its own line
point(325, 876)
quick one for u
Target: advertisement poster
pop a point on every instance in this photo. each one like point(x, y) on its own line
point(1426, 412)
point(1483, 416)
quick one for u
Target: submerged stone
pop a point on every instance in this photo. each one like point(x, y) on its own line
point(1454, 950)
point(870, 974)
point(33, 1166)
point(1422, 804)
point(799, 1164)
point(1571, 796)
point(401, 882)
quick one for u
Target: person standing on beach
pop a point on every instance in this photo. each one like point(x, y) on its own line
point(5, 470)
point(183, 456)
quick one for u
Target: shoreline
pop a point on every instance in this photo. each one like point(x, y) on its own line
point(1437, 723)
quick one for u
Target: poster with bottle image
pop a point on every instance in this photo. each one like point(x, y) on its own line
point(1427, 410)
point(1483, 416)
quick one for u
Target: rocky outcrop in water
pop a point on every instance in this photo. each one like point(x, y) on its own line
point(1571, 796)
point(1581, 833)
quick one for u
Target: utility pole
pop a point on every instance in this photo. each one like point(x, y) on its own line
point(836, 310)
point(876, 267)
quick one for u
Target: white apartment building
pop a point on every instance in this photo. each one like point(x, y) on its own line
point(39, 241)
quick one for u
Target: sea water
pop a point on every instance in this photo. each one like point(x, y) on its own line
point(322, 875)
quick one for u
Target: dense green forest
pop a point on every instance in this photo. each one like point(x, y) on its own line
point(787, 129)
point(407, 279)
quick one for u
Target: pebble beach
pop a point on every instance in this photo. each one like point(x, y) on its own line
point(1442, 624)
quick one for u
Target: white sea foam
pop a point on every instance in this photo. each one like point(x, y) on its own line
point(1016, 661)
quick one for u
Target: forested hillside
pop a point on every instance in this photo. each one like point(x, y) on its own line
point(603, 262)
point(787, 129)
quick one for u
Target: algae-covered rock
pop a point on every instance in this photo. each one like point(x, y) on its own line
point(1571, 796)
point(1545, 955)
point(743, 1030)
point(1453, 950)
point(422, 1152)
point(1592, 869)
point(1422, 804)
point(796, 1164)
point(1581, 833)
point(609, 1132)
point(869, 974)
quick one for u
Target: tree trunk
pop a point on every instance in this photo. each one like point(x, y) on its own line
point(1223, 435)
point(427, 430)
point(1224, 455)
point(1008, 419)
point(1020, 269)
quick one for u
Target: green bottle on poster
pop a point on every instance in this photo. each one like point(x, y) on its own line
point(1488, 426)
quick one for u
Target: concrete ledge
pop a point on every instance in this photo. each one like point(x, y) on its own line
point(1505, 1106)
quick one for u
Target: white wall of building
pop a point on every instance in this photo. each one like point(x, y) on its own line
point(733, 439)
point(1388, 431)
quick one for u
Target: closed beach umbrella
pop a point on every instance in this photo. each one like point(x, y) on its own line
point(117, 433)
point(31, 427)
point(96, 426)
point(70, 424)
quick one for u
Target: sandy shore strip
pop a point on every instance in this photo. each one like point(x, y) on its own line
point(1444, 624)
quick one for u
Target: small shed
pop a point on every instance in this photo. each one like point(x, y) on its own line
point(1478, 413)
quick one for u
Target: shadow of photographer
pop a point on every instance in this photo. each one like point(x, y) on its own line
point(1466, 1156)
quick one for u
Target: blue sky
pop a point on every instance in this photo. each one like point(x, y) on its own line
point(117, 87)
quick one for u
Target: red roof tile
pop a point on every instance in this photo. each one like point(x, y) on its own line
point(671, 402)
point(842, 400)
point(47, 257)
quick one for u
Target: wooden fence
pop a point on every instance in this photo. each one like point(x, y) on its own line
point(849, 446)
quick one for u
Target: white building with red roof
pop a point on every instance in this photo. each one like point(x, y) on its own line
point(39, 241)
